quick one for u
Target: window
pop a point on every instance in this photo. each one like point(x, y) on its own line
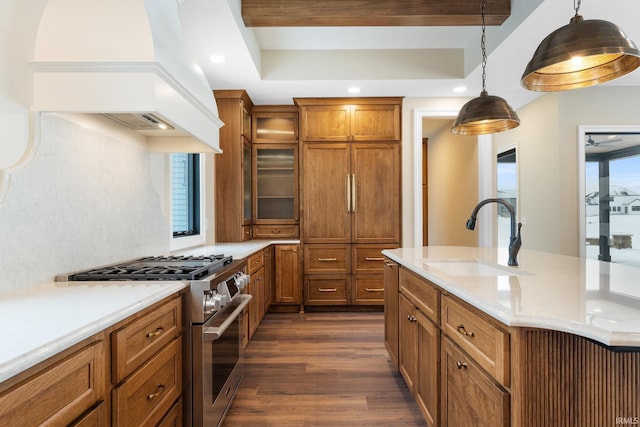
point(507, 189)
point(185, 194)
point(612, 184)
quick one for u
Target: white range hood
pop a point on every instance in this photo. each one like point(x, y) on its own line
point(126, 59)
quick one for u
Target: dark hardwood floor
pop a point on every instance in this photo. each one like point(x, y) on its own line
point(321, 369)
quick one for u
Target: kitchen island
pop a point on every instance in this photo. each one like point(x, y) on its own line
point(552, 342)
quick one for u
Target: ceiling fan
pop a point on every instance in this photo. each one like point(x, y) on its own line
point(592, 143)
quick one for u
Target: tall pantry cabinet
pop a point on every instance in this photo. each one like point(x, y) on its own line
point(350, 196)
point(233, 168)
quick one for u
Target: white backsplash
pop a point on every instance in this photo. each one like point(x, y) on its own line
point(86, 199)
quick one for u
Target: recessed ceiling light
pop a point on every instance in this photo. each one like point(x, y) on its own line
point(353, 90)
point(217, 59)
point(460, 89)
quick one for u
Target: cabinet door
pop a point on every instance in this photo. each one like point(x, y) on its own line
point(391, 310)
point(325, 123)
point(408, 350)
point(246, 184)
point(275, 187)
point(269, 271)
point(428, 387)
point(326, 193)
point(274, 127)
point(288, 289)
point(375, 193)
point(469, 396)
point(375, 122)
point(256, 305)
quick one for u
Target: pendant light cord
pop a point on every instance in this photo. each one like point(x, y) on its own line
point(483, 41)
point(576, 6)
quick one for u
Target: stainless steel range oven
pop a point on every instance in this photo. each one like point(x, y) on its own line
point(213, 338)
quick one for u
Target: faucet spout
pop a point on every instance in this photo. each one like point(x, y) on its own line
point(515, 240)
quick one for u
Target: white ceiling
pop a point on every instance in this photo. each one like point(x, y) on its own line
point(275, 65)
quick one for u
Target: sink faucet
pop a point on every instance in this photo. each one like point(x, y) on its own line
point(515, 241)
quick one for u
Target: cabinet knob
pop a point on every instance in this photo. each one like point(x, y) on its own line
point(461, 365)
point(464, 332)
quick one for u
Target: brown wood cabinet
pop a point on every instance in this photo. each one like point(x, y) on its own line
point(269, 276)
point(419, 349)
point(469, 396)
point(256, 307)
point(146, 365)
point(350, 192)
point(127, 375)
point(61, 392)
point(391, 307)
point(275, 124)
point(350, 119)
point(288, 288)
point(233, 196)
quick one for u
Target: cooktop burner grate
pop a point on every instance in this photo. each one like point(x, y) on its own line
point(158, 268)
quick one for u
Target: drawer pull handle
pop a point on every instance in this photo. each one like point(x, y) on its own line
point(389, 264)
point(327, 290)
point(464, 332)
point(369, 258)
point(374, 289)
point(461, 365)
point(275, 231)
point(327, 259)
point(157, 332)
point(159, 390)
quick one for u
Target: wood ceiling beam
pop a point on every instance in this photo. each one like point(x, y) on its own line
point(350, 13)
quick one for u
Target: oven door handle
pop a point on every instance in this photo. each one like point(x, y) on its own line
point(212, 333)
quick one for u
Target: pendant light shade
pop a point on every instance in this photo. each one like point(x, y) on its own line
point(581, 54)
point(485, 114)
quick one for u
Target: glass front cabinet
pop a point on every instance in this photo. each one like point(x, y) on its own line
point(275, 172)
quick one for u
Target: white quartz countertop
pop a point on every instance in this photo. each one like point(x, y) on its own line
point(594, 299)
point(38, 323)
point(237, 250)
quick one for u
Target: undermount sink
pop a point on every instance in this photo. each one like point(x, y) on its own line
point(471, 267)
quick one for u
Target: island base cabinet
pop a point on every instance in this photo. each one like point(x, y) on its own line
point(470, 397)
point(391, 296)
point(419, 358)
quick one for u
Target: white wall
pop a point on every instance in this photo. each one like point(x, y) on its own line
point(548, 159)
point(453, 187)
point(86, 199)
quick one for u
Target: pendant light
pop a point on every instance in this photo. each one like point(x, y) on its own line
point(581, 54)
point(485, 114)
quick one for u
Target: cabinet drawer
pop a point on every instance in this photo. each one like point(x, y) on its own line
point(420, 292)
point(481, 338)
point(369, 289)
point(368, 259)
point(135, 343)
point(149, 393)
point(326, 290)
point(327, 259)
point(59, 394)
point(256, 261)
point(275, 231)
